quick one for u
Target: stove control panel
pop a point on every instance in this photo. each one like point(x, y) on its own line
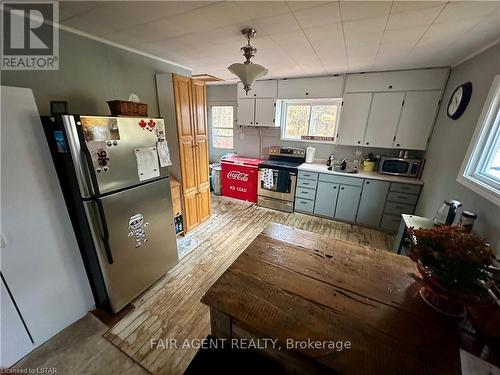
point(287, 151)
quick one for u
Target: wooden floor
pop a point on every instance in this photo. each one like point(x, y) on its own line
point(171, 309)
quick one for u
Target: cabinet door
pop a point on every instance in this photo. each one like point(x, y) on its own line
point(304, 88)
point(188, 167)
point(347, 203)
point(202, 169)
point(190, 213)
point(14, 340)
point(417, 119)
point(326, 199)
point(353, 118)
point(199, 100)
point(383, 119)
point(265, 112)
point(203, 197)
point(201, 132)
point(371, 205)
point(246, 112)
point(185, 131)
point(260, 89)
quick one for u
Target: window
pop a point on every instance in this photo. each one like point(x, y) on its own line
point(309, 119)
point(222, 122)
point(481, 167)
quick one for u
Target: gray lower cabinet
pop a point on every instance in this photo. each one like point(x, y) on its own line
point(371, 205)
point(347, 203)
point(326, 199)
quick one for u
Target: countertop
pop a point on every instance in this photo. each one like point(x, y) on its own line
point(322, 168)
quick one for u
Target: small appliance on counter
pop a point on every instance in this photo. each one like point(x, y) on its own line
point(467, 220)
point(239, 177)
point(447, 212)
point(399, 166)
point(310, 154)
point(278, 178)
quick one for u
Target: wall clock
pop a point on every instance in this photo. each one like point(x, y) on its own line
point(459, 100)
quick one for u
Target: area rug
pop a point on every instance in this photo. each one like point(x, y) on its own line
point(185, 245)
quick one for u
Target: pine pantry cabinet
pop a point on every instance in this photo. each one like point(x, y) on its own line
point(191, 112)
point(369, 202)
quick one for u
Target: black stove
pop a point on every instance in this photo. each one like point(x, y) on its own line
point(284, 158)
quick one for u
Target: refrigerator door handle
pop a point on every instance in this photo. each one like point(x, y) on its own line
point(76, 144)
point(104, 231)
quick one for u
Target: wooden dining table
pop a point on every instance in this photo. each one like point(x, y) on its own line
point(331, 306)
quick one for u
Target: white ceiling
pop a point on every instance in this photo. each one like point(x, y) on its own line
point(294, 38)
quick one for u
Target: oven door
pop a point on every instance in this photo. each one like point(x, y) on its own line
point(283, 186)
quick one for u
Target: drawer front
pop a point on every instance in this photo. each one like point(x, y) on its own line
point(402, 197)
point(395, 208)
point(309, 184)
point(308, 175)
point(301, 192)
point(405, 188)
point(390, 222)
point(354, 181)
point(304, 205)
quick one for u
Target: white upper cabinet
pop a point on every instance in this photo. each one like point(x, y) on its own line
point(417, 118)
point(403, 80)
point(315, 87)
point(256, 112)
point(264, 112)
point(383, 119)
point(246, 112)
point(260, 89)
point(353, 119)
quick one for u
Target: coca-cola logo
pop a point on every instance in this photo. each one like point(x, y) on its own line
point(236, 175)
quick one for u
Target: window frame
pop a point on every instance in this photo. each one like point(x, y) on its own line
point(210, 125)
point(282, 105)
point(480, 149)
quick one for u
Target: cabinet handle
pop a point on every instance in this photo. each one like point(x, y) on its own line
point(304, 192)
point(256, 123)
point(367, 143)
point(341, 188)
point(305, 183)
point(334, 187)
point(307, 93)
point(398, 145)
point(359, 142)
point(367, 182)
point(251, 122)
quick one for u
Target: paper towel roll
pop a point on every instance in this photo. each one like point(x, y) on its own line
point(310, 154)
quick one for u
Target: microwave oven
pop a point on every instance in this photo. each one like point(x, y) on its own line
point(399, 166)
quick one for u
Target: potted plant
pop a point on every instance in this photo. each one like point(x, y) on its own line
point(454, 268)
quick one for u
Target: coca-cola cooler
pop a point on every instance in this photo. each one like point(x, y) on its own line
point(240, 177)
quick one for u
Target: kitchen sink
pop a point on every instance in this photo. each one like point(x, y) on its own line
point(347, 170)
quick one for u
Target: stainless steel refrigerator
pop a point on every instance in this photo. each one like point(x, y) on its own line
point(114, 175)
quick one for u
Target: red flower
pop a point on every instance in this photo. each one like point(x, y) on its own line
point(142, 124)
point(151, 124)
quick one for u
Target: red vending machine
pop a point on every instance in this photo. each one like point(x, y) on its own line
point(240, 178)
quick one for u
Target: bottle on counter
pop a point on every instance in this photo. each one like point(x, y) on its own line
point(330, 160)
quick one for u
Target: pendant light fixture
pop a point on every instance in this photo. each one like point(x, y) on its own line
point(247, 71)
